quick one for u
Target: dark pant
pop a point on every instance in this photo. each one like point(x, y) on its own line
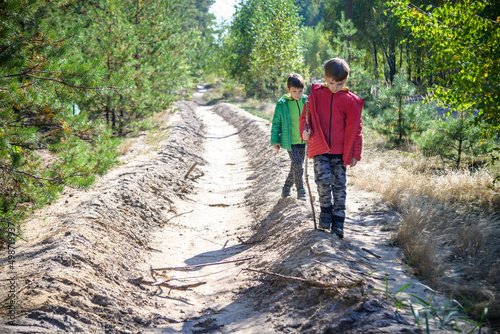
point(330, 178)
point(295, 175)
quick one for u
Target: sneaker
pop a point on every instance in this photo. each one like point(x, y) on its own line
point(325, 220)
point(301, 194)
point(285, 192)
point(338, 229)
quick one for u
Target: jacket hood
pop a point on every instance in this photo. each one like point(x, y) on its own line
point(288, 97)
point(315, 87)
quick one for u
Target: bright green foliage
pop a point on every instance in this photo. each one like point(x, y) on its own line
point(206, 56)
point(317, 49)
point(263, 45)
point(196, 15)
point(378, 34)
point(463, 41)
point(352, 54)
point(456, 140)
point(311, 11)
point(397, 118)
point(343, 48)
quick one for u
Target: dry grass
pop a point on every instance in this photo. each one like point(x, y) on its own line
point(223, 89)
point(148, 141)
point(263, 109)
point(125, 147)
point(450, 221)
point(232, 92)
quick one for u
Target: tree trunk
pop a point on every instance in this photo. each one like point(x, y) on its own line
point(348, 16)
point(430, 74)
point(391, 60)
point(113, 119)
point(107, 115)
point(400, 57)
point(459, 152)
point(400, 121)
point(373, 47)
point(408, 59)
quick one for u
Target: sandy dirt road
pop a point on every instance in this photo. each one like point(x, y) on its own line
point(207, 231)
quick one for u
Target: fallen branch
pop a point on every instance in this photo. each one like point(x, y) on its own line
point(189, 268)
point(132, 235)
point(190, 170)
point(180, 214)
point(198, 176)
point(372, 253)
point(160, 192)
point(185, 287)
point(318, 284)
point(220, 205)
point(252, 242)
point(248, 242)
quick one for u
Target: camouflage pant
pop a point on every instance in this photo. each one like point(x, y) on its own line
point(296, 167)
point(330, 178)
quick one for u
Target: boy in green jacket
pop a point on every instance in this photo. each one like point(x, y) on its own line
point(285, 133)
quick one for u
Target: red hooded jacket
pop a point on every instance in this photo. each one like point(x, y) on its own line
point(334, 121)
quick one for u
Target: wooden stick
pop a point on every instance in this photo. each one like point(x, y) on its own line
point(190, 170)
point(188, 268)
point(305, 170)
point(303, 280)
point(372, 253)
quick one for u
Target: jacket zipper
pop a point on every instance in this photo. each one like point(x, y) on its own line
point(330, 132)
point(298, 107)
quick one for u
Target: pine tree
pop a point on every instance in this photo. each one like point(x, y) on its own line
point(41, 78)
point(65, 67)
point(143, 50)
point(399, 119)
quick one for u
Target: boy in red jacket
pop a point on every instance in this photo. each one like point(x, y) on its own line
point(334, 140)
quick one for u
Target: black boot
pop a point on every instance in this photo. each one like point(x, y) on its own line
point(285, 192)
point(301, 194)
point(325, 220)
point(338, 228)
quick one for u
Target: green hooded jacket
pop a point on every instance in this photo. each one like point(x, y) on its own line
point(285, 128)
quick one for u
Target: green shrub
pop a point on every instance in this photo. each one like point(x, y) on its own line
point(76, 152)
point(395, 117)
point(455, 141)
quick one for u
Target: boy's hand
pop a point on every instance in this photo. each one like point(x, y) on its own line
point(354, 161)
point(277, 148)
point(305, 135)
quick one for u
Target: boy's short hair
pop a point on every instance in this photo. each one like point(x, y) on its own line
point(295, 80)
point(336, 68)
